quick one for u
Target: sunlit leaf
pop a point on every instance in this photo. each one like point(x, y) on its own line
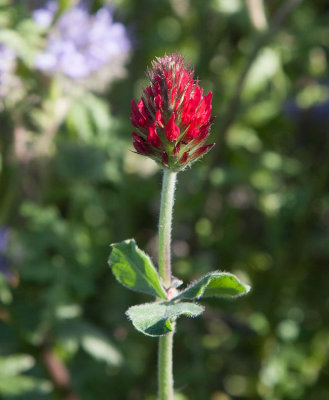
point(20, 385)
point(156, 319)
point(215, 284)
point(14, 364)
point(134, 269)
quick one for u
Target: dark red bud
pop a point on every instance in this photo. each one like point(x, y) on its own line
point(184, 158)
point(203, 149)
point(176, 149)
point(164, 157)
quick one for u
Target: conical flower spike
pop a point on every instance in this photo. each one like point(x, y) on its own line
point(173, 118)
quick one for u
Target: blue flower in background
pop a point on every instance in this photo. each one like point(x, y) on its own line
point(81, 43)
point(319, 112)
point(6, 272)
point(4, 237)
point(44, 16)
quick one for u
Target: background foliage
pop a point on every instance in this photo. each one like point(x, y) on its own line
point(257, 206)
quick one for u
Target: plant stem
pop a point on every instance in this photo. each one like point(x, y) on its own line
point(165, 363)
point(165, 220)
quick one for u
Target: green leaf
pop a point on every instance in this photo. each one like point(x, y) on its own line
point(12, 383)
point(215, 284)
point(74, 332)
point(65, 4)
point(99, 112)
point(155, 319)
point(134, 269)
point(79, 122)
point(20, 385)
point(100, 347)
point(15, 364)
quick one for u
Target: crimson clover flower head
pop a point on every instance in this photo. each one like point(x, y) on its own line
point(173, 117)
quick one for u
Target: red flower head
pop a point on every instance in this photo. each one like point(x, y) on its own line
point(173, 117)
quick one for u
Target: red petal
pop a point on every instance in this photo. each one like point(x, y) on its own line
point(184, 80)
point(141, 148)
point(173, 95)
point(188, 105)
point(209, 99)
point(196, 97)
point(136, 137)
point(149, 91)
point(204, 110)
point(158, 101)
point(134, 107)
point(137, 119)
point(184, 158)
point(142, 109)
point(172, 131)
point(158, 118)
point(140, 144)
point(192, 133)
point(204, 132)
point(153, 137)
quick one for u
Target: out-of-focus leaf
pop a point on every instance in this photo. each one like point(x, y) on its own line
point(80, 161)
point(65, 4)
point(21, 385)
point(14, 364)
point(12, 39)
point(264, 68)
point(100, 347)
point(5, 276)
point(74, 333)
point(99, 112)
point(24, 40)
point(78, 121)
point(12, 383)
point(244, 137)
point(156, 319)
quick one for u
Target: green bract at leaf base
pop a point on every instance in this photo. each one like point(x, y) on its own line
point(134, 269)
point(215, 284)
point(155, 319)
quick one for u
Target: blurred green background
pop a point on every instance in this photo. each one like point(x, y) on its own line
point(257, 206)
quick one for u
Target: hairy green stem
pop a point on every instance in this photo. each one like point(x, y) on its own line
point(165, 221)
point(165, 363)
